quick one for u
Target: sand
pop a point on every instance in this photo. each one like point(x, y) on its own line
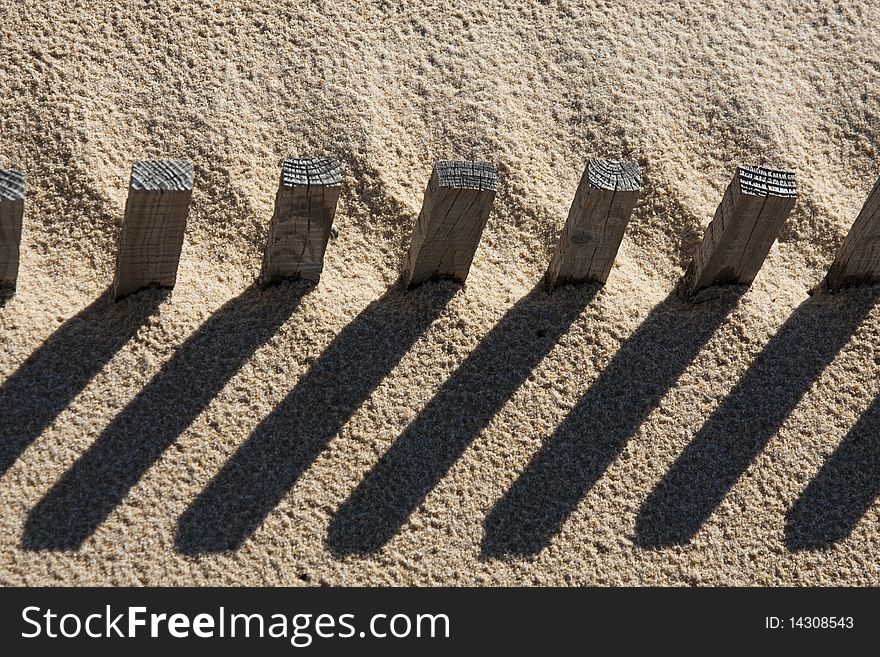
point(491, 434)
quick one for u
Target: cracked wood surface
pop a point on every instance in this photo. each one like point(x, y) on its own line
point(454, 212)
point(152, 231)
point(752, 212)
point(305, 206)
point(602, 206)
point(858, 259)
point(11, 215)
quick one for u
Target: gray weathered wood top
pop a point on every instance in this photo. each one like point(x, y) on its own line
point(614, 175)
point(11, 185)
point(162, 176)
point(760, 181)
point(459, 174)
point(297, 171)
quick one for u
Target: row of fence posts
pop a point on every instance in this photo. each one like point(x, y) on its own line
point(456, 206)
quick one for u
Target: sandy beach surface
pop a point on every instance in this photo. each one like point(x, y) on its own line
point(349, 433)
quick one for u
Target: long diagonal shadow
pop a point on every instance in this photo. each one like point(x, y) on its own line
point(47, 382)
point(286, 443)
point(743, 424)
point(570, 462)
point(841, 492)
point(463, 407)
point(167, 405)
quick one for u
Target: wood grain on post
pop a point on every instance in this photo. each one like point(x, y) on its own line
point(858, 259)
point(152, 230)
point(746, 223)
point(301, 224)
point(11, 214)
point(455, 209)
point(601, 209)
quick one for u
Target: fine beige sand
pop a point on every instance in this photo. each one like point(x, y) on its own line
point(492, 434)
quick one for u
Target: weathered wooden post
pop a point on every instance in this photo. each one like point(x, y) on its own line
point(152, 230)
point(11, 214)
point(858, 259)
point(303, 219)
point(598, 217)
point(454, 212)
point(748, 220)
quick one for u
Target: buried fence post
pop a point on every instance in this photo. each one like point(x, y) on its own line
point(751, 214)
point(303, 219)
point(858, 259)
point(151, 237)
point(11, 214)
point(601, 209)
point(454, 212)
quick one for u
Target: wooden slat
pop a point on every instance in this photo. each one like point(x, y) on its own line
point(152, 231)
point(11, 215)
point(858, 259)
point(598, 217)
point(303, 219)
point(746, 223)
point(455, 209)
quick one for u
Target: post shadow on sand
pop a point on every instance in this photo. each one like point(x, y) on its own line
point(291, 437)
point(6, 294)
point(74, 508)
point(453, 418)
point(593, 434)
point(59, 369)
point(841, 492)
point(742, 425)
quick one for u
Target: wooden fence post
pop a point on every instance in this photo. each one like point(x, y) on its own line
point(455, 209)
point(858, 259)
point(152, 230)
point(598, 217)
point(751, 214)
point(303, 219)
point(11, 215)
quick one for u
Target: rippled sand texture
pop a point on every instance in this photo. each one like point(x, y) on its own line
point(351, 434)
